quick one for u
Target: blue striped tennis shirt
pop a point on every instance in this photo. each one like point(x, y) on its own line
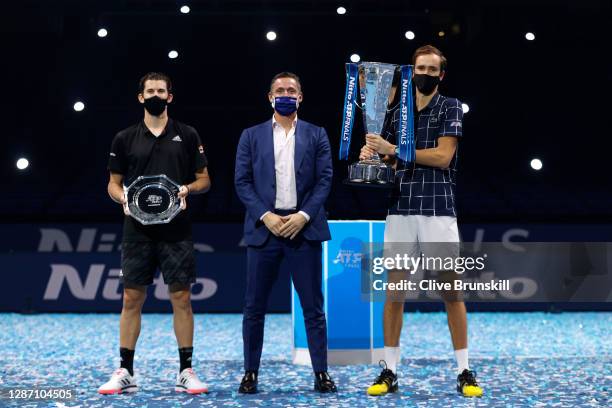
point(425, 190)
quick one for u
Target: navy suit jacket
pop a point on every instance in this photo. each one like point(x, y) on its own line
point(255, 178)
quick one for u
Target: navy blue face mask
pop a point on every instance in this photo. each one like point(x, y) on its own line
point(285, 105)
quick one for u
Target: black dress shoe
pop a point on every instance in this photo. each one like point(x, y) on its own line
point(248, 385)
point(324, 383)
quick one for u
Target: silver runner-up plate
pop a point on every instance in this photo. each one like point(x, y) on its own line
point(153, 199)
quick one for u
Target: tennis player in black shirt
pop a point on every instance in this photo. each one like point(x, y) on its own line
point(157, 145)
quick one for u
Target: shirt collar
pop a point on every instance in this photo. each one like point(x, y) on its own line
point(434, 101)
point(275, 122)
point(169, 125)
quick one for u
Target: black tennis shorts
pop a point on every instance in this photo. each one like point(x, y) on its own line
point(140, 260)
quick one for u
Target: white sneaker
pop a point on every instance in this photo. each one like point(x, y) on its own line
point(187, 381)
point(121, 381)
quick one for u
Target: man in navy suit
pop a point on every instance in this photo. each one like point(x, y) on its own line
point(283, 177)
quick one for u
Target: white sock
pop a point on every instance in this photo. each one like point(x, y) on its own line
point(392, 358)
point(462, 360)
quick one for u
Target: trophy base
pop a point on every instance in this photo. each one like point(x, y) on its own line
point(385, 186)
point(371, 173)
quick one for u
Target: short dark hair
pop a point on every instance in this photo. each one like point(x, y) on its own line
point(155, 76)
point(430, 49)
point(286, 74)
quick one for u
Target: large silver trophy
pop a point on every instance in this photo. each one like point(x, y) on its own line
point(153, 199)
point(378, 84)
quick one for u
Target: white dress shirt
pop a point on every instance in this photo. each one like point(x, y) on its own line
point(284, 166)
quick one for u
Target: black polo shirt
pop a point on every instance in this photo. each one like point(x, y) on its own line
point(177, 152)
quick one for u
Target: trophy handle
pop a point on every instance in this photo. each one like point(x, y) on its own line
point(375, 158)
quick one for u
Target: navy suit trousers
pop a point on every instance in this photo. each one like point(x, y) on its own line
point(303, 259)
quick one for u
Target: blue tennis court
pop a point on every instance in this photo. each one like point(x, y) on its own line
point(522, 359)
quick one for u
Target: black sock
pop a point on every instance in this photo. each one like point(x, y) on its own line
point(185, 354)
point(127, 359)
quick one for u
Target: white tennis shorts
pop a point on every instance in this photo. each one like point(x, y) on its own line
point(412, 231)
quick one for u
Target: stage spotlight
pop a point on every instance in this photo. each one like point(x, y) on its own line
point(103, 32)
point(536, 164)
point(271, 36)
point(355, 58)
point(409, 35)
point(341, 10)
point(441, 33)
point(173, 54)
point(185, 9)
point(465, 107)
point(22, 163)
point(530, 36)
point(78, 106)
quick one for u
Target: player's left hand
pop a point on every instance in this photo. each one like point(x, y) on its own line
point(378, 144)
point(293, 224)
point(182, 195)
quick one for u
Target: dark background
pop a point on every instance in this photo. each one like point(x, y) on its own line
point(548, 98)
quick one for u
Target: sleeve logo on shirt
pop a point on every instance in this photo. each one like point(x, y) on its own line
point(201, 149)
point(455, 124)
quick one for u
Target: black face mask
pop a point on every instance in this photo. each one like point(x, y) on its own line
point(426, 83)
point(155, 105)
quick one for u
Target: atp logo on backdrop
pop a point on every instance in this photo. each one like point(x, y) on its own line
point(348, 258)
point(350, 253)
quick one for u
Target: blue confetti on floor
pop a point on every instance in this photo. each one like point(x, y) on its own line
point(522, 359)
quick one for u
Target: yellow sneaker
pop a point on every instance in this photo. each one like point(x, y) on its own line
point(467, 385)
point(385, 383)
